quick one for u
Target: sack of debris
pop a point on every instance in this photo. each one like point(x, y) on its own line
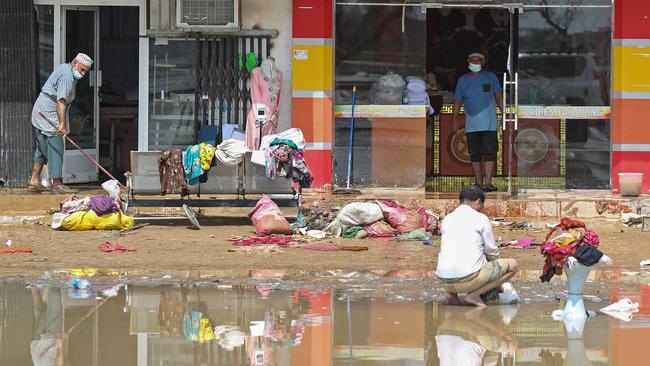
point(89, 220)
point(360, 213)
point(268, 218)
point(380, 229)
point(402, 219)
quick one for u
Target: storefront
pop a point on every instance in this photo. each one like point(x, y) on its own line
point(573, 73)
point(163, 69)
point(553, 59)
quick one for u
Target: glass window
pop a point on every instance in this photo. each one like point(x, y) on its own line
point(377, 47)
point(172, 84)
point(587, 154)
point(44, 15)
point(564, 56)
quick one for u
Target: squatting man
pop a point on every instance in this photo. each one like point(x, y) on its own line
point(468, 262)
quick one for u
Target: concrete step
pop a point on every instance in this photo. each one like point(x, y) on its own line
point(540, 203)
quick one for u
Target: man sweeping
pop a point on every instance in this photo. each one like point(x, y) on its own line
point(55, 98)
point(468, 261)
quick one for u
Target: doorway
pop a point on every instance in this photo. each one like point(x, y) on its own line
point(103, 119)
point(452, 34)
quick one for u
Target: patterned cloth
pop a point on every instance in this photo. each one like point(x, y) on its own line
point(282, 160)
point(60, 85)
point(198, 159)
point(207, 154)
point(74, 204)
point(172, 177)
point(192, 164)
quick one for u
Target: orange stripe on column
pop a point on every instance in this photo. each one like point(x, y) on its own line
point(630, 121)
point(314, 117)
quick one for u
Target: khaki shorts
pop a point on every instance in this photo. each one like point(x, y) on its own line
point(490, 272)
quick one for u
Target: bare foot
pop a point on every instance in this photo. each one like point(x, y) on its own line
point(475, 300)
point(452, 299)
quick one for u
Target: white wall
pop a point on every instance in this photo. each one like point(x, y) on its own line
point(275, 14)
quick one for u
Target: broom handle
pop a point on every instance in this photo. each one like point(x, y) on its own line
point(83, 152)
point(354, 95)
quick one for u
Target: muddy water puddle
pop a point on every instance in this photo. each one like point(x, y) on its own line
point(275, 324)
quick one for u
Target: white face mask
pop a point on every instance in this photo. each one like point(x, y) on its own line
point(474, 67)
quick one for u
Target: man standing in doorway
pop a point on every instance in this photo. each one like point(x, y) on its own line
point(55, 98)
point(479, 91)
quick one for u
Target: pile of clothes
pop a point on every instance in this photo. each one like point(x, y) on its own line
point(379, 219)
point(180, 170)
point(416, 93)
point(283, 157)
point(101, 212)
point(569, 238)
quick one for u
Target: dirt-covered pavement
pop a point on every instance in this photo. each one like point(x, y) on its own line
point(173, 247)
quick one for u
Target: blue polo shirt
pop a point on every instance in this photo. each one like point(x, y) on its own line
point(477, 95)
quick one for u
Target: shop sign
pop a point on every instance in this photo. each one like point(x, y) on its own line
point(381, 111)
point(563, 112)
point(300, 54)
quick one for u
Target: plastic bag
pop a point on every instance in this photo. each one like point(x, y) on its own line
point(293, 134)
point(334, 228)
point(380, 229)
point(389, 89)
point(402, 219)
point(359, 214)
point(88, 220)
point(112, 187)
point(268, 218)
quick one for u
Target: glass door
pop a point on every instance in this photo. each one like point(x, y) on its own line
point(562, 140)
point(510, 116)
point(80, 33)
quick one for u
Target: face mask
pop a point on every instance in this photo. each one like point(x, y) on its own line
point(474, 67)
point(76, 75)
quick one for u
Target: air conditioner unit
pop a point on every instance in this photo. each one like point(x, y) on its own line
point(207, 14)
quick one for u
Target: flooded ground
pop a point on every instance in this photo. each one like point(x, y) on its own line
point(266, 321)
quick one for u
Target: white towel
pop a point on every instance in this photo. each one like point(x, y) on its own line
point(231, 151)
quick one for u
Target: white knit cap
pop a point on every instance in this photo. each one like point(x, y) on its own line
point(84, 59)
point(476, 54)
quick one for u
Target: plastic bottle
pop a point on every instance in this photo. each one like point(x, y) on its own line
point(80, 284)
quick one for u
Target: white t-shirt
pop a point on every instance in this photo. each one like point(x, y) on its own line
point(456, 351)
point(466, 238)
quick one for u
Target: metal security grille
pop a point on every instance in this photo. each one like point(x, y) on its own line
point(17, 91)
point(207, 12)
point(222, 93)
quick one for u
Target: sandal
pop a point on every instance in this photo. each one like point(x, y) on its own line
point(62, 189)
point(34, 189)
point(490, 188)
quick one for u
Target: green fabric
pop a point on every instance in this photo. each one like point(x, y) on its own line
point(290, 143)
point(251, 61)
point(351, 232)
point(419, 234)
point(301, 221)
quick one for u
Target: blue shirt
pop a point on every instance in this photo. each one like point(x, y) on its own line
point(477, 95)
point(60, 85)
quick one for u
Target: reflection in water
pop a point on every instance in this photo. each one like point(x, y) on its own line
point(258, 325)
point(473, 337)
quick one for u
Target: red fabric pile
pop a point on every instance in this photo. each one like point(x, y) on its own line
point(108, 247)
point(561, 242)
point(280, 240)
